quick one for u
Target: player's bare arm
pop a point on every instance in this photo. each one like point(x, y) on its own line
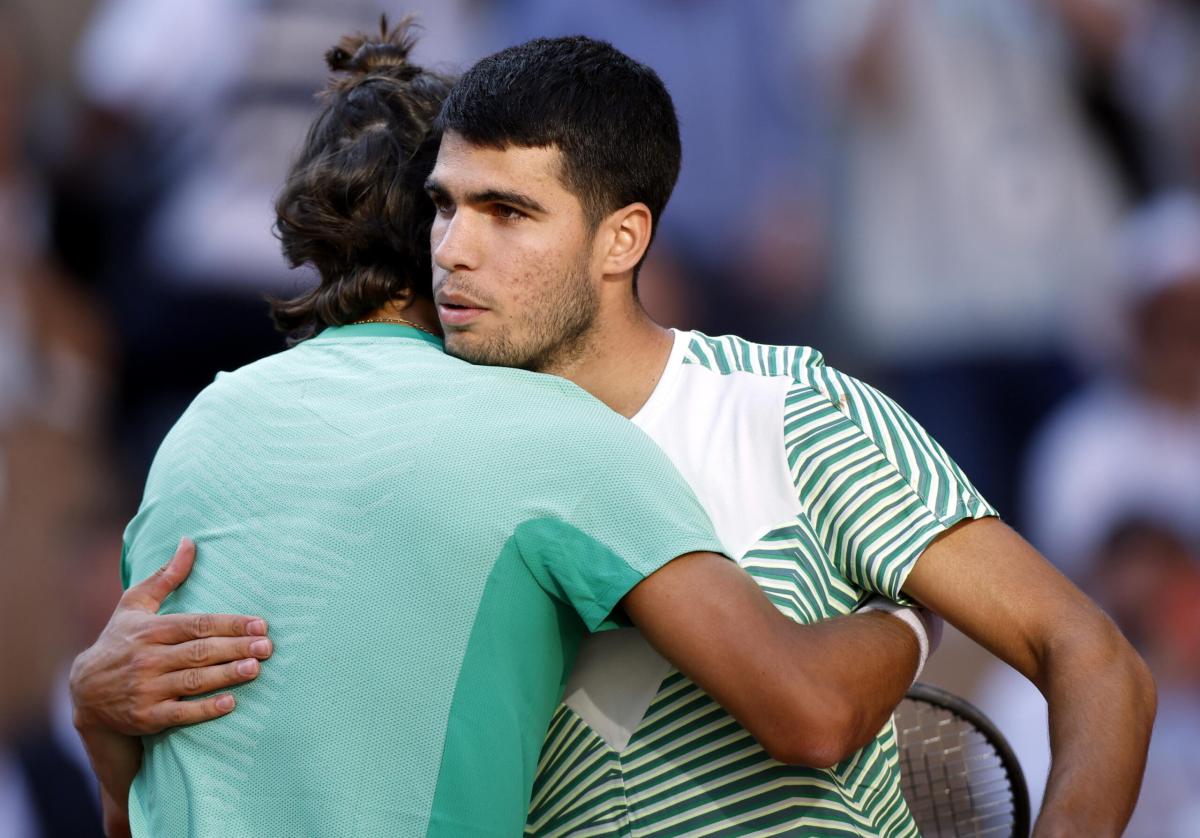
point(987, 581)
point(803, 691)
point(131, 682)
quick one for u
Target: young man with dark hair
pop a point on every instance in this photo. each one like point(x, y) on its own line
point(549, 179)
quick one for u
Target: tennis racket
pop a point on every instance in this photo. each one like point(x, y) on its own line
point(957, 772)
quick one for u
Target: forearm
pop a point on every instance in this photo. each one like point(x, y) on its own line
point(115, 816)
point(116, 759)
point(869, 660)
point(1102, 703)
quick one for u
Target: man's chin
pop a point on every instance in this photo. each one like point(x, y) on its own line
point(473, 350)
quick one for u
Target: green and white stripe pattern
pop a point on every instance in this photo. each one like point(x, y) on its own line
point(874, 490)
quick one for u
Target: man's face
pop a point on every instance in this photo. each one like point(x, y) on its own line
point(514, 276)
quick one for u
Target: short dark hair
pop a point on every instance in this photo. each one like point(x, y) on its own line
point(611, 118)
point(353, 205)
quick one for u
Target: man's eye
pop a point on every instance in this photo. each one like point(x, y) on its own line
point(506, 212)
point(442, 206)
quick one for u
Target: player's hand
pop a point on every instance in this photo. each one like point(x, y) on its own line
point(133, 678)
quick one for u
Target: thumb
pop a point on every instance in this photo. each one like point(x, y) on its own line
point(149, 594)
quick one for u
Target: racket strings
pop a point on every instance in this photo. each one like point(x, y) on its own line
point(953, 778)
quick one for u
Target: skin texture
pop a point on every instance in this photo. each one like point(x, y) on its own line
point(536, 300)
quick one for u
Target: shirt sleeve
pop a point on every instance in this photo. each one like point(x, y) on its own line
point(875, 486)
point(634, 514)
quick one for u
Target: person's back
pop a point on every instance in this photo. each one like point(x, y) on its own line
point(399, 518)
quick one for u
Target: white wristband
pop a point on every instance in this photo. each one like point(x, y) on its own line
point(926, 625)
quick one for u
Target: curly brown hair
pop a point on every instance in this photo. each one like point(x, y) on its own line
point(353, 205)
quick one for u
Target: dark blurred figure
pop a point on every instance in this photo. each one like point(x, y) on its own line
point(1147, 575)
point(1157, 82)
point(52, 790)
point(55, 350)
point(1130, 443)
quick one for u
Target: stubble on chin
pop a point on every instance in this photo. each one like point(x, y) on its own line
point(496, 351)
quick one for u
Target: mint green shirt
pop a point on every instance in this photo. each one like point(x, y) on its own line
point(428, 540)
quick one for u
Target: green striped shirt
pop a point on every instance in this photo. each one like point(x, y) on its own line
point(827, 493)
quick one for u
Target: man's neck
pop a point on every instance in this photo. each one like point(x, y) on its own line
point(622, 362)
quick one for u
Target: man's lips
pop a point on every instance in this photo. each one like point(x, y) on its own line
point(457, 315)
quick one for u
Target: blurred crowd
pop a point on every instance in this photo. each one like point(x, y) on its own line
point(987, 209)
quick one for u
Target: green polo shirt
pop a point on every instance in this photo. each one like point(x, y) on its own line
point(429, 540)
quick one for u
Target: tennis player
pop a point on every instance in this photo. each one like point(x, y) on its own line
point(429, 540)
point(557, 156)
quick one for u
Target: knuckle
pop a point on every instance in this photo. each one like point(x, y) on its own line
point(139, 719)
point(193, 680)
point(178, 713)
point(202, 625)
point(145, 627)
point(198, 651)
point(140, 664)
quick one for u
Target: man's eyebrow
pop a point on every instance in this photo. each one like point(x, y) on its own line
point(488, 196)
point(500, 196)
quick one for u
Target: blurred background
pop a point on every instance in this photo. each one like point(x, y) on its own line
point(987, 209)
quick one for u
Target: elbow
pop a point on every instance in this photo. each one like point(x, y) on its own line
point(1133, 671)
point(804, 751)
point(813, 739)
point(1142, 684)
point(1102, 654)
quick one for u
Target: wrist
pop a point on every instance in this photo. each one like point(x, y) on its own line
point(82, 717)
point(925, 626)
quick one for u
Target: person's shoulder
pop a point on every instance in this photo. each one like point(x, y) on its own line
point(731, 355)
point(546, 402)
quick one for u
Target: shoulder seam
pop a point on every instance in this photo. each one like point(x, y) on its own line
point(728, 354)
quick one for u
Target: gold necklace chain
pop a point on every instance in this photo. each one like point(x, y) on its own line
point(397, 320)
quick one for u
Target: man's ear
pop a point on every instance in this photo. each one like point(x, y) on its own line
point(627, 235)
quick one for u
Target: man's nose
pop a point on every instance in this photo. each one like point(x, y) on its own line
point(455, 245)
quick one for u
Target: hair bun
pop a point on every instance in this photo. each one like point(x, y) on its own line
point(386, 51)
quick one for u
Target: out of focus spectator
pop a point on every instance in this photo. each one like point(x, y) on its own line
point(53, 378)
point(1158, 79)
point(47, 788)
point(741, 243)
point(55, 356)
point(975, 205)
point(1130, 443)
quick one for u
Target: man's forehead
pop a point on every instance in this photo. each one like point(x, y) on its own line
point(463, 165)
